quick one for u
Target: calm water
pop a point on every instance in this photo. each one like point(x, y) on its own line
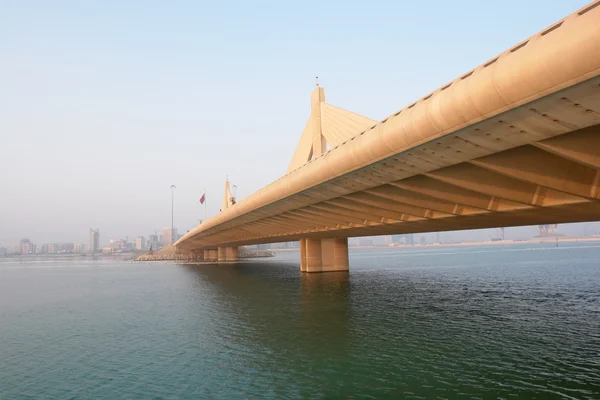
point(451, 323)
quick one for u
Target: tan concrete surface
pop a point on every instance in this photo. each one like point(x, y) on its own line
point(313, 255)
point(221, 255)
point(303, 260)
point(515, 141)
point(210, 255)
point(231, 253)
point(325, 255)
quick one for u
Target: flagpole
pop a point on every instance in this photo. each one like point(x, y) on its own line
point(204, 204)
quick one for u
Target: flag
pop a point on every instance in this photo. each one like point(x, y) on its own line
point(203, 198)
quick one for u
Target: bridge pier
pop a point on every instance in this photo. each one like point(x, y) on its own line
point(231, 253)
point(210, 255)
point(199, 254)
point(221, 254)
point(227, 254)
point(323, 255)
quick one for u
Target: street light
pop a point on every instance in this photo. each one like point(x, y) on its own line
point(173, 187)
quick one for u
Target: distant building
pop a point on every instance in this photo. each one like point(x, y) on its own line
point(365, 242)
point(56, 248)
point(120, 245)
point(26, 247)
point(114, 244)
point(403, 239)
point(78, 248)
point(3, 251)
point(168, 236)
point(67, 247)
point(94, 240)
point(140, 243)
point(153, 242)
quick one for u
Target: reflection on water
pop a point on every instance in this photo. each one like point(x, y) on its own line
point(454, 323)
point(280, 312)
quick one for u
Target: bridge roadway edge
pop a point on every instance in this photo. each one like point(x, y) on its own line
point(364, 151)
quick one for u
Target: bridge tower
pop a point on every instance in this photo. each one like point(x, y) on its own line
point(228, 199)
point(225, 253)
point(327, 127)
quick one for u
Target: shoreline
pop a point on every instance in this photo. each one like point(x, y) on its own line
point(190, 257)
point(561, 239)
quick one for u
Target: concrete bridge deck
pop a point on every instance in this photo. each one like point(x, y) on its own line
point(515, 141)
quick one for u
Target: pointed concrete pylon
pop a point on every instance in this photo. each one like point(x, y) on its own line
point(327, 125)
point(228, 199)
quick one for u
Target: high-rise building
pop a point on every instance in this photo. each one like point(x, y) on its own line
point(168, 236)
point(117, 244)
point(78, 248)
point(153, 242)
point(94, 240)
point(26, 247)
point(140, 243)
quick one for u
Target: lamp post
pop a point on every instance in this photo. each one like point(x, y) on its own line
point(173, 187)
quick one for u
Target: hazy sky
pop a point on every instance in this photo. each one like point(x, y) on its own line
point(105, 104)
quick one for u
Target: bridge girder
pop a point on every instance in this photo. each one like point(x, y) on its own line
point(516, 141)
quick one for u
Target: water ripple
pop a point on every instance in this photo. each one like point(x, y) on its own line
point(480, 323)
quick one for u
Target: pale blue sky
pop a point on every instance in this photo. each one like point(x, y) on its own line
point(104, 104)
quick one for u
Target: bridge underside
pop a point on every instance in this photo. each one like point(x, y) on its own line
point(516, 141)
point(536, 174)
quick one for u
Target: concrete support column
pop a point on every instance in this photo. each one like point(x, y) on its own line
point(324, 255)
point(302, 255)
point(222, 254)
point(340, 255)
point(231, 253)
point(313, 255)
point(198, 254)
point(210, 255)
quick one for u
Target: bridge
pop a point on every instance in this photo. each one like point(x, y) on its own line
point(515, 141)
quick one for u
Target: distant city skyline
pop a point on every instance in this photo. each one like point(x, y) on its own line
point(156, 241)
point(116, 110)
